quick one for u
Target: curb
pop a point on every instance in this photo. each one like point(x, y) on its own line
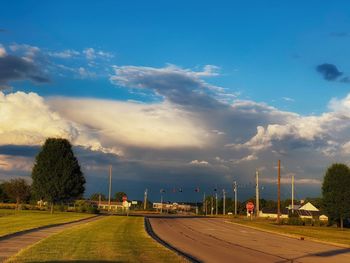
point(291, 235)
point(151, 233)
point(22, 232)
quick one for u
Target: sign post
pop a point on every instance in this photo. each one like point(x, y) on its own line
point(250, 209)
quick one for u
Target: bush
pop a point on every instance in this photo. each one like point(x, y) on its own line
point(82, 206)
point(295, 221)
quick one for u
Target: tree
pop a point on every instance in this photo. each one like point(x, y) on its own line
point(119, 196)
point(3, 195)
point(96, 197)
point(336, 192)
point(17, 189)
point(56, 173)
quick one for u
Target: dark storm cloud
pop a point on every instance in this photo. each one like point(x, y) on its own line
point(329, 71)
point(13, 68)
point(19, 150)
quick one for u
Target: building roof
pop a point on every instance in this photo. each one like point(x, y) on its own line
point(309, 207)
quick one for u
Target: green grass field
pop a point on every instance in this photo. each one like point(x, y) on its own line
point(328, 234)
point(12, 221)
point(111, 239)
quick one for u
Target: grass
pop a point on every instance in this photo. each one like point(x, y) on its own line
point(12, 221)
point(328, 234)
point(111, 239)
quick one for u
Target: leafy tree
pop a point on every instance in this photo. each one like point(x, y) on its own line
point(119, 196)
point(3, 196)
point(96, 197)
point(17, 189)
point(336, 192)
point(56, 173)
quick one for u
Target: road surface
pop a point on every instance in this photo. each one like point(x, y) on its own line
point(214, 240)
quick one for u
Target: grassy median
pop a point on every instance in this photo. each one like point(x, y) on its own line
point(324, 233)
point(12, 221)
point(113, 239)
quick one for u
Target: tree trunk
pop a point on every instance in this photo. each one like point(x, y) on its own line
point(341, 223)
point(52, 208)
point(17, 203)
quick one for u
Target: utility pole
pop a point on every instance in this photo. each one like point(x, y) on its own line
point(145, 200)
point(211, 206)
point(99, 200)
point(235, 190)
point(203, 203)
point(224, 201)
point(292, 194)
point(279, 192)
point(216, 203)
point(110, 187)
point(257, 193)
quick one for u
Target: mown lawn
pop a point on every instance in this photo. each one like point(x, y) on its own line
point(324, 233)
point(111, 239)
point(12, 221)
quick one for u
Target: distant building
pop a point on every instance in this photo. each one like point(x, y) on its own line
point(272, 213)
point(114, 206)
point(174, 207)
point(307, 211)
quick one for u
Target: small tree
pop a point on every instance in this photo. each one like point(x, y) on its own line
point(336, 192)
point(17, 189)
point(96, 197)
point(119, 196)
point(56, 173)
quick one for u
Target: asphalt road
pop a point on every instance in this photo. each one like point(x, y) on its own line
point(213, 240)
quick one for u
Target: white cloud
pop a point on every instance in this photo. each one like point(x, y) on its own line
point(18, 163)
point(92, 54)
point(196, 162)
point(2, 51)
point(68, 53)
point(288, 99)
point(127, 123)
point(26, 119)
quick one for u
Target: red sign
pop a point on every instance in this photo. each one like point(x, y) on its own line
point(250, 206)
point(125, 198)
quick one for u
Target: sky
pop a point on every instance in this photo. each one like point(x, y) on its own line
point(178, 94)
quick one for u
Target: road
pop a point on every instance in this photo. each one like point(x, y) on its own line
point(214, 240)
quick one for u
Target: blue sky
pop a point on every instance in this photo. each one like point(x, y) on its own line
point(265, 55)
point(265, 51)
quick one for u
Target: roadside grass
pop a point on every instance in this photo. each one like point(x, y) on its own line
point(323, 233)
point(12, 221)
point(111, 239)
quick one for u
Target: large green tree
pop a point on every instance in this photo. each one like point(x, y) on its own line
point(56, 174)
point(336, 192)
point(17, 189)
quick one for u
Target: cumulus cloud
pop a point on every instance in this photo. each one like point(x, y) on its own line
point(128, 123)
point(26, 119)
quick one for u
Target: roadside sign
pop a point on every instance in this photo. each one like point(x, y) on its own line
point(134, 202)
point(250, 206)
